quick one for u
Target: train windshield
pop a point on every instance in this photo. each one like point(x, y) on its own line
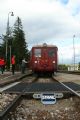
point(37, 52)
point(51, 53)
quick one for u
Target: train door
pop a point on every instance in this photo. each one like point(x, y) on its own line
point(44, 53)
point(45, 58)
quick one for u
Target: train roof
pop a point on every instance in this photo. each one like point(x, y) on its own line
point(45, 45)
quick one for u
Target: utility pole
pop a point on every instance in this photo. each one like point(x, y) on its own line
point(74, 52)
point(8, 36)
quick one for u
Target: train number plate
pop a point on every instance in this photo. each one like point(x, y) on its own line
point(47, 98)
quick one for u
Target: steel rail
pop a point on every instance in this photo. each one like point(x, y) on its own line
point(7, 82)
point(73, 91)
point(4, 113)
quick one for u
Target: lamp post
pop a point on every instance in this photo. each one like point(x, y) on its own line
point(73, 52)
point(0, 38)
point(8, 35)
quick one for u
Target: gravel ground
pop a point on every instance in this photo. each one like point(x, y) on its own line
point(5, 99)
point(64, 109)
point(63, 77)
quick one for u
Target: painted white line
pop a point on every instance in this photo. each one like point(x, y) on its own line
point(8, 86)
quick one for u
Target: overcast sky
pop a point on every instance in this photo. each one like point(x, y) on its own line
point(51, 21)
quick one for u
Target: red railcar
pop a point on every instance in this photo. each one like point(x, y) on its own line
point(44, 58)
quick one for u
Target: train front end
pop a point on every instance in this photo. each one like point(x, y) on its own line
point(44, 59)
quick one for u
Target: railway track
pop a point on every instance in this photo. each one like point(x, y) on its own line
point(4, 114)
point(37, 85)
point(63, 84)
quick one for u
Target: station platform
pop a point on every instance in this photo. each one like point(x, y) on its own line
point(7, 77)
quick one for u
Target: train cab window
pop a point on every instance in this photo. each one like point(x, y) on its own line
point(51, 53)
point(37, 52)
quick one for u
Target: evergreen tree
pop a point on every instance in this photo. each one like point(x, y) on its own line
point(16, 39)
point(3, 47)
point(3, 52)
point(19, 46)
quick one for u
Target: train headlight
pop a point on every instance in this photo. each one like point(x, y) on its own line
point(53, 61)
point(35, 61)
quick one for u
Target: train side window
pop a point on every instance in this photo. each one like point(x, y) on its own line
point(51, 53)
point(37, 52)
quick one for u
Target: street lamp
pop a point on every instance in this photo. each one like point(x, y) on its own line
point(73, 52)
point(8, 35)
point(1, 38)
point(8, 31)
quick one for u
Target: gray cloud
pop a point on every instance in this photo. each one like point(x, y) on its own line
point(41, 30)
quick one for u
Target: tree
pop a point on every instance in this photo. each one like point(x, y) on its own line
point(62, 67)
point(5, 39)
point(19, 46)
point(3, 47)
point(15, 39)
point(79, 65)
point(1, 50)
